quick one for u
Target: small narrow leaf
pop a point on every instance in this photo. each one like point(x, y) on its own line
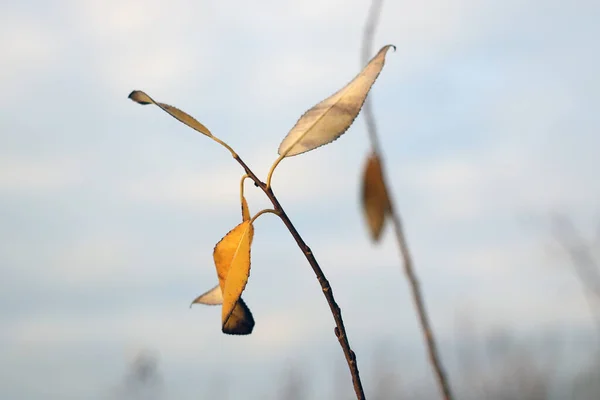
point(142, 98)
point(246, 216)
point(213, 297)
point(232, 260)
point(245, 210)
point(375, 199)
point(329, 119)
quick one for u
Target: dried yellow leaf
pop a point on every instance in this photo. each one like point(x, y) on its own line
point(375, 199)
point(328, 120)
point(232, 260)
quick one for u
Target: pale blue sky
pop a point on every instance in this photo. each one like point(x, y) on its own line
point(109, 211)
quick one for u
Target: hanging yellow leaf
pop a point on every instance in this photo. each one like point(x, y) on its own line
point(240, 322)
point(375, 199)
point(142, 98)
point(329, 119)
point(232, 260)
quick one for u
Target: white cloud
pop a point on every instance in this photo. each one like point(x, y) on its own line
point(172, 329)
point(188, 190)
point(28, 49)
point(299, 182)
point(98, 261)
point(139, 43)
point(34, 176)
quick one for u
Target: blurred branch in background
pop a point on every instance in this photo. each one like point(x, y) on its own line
point(582, 259)
point(143, 380)
point(492, 366)
point(366, 51)
point(587, 383)
point(514, 370)
point(295, 385)
point(498, 366)
point(385, 378)
point(376, 178)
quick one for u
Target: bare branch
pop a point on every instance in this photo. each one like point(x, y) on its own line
point(340, 330)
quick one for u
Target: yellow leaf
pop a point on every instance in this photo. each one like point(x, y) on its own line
point(329, 119)
point(375, 199)
point(232, 260)
point(142, 98)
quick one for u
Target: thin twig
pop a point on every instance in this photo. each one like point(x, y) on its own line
point(340, 331)
point(417, 296)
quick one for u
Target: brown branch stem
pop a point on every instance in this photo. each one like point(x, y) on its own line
point(340, 330)
point(417, 296)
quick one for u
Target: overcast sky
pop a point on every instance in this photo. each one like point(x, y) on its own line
point(488, 115)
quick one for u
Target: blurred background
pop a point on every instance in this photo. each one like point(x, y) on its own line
point(488, 114)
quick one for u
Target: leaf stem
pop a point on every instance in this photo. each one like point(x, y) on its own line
point(242, 187)
point(222, 143)
point(265, 211)
point(405, 254)
point(275, 164)
point(340, 330)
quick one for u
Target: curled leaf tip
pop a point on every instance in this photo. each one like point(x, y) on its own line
point(140, 97)
point(241, 321)
point(211, 297)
